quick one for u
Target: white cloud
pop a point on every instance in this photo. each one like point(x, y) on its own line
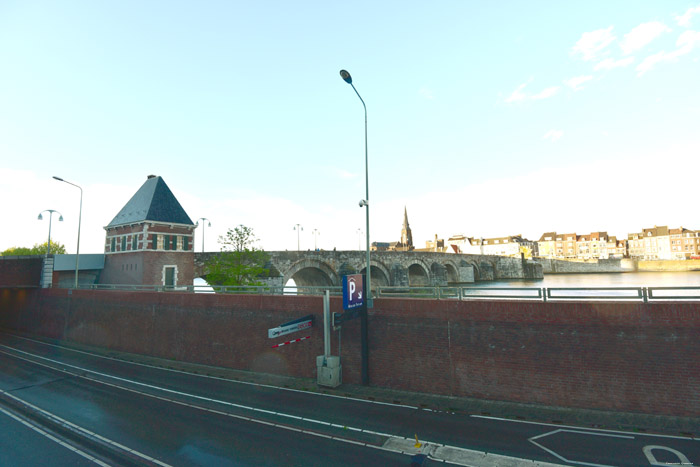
point(592, 44)
point(343, 174)
point(426, 93)
point(609, 63)
point(651, 61)
point(518, 94)
point(553, 135)
point(432, 213)
point(686, 42)
point(546, 93)
point(642, 35)
point(684, 19)
point(576, 82)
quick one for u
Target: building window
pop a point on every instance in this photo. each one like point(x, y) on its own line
point(134, 242)
point(114, 245)
point(186, 243)
point(124, 243)
point(160, 241)
point(154, 241)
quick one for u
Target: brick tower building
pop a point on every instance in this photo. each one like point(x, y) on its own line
point(150, 241)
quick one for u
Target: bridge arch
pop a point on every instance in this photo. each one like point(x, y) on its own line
point(380, 274)
point(475, 267)
point(452, 272)
point(311, 273)
point(418, 275)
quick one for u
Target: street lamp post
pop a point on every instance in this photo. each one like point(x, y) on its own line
point(60, 219)
point(298, 228)
point(209, 225)
point(80, 216)
point(316, 233)
point(365, 202)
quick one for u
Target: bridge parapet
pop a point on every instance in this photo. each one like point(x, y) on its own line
point(389, 268)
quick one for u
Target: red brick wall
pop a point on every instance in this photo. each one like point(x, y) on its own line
point(623, 356)
point(20, 271)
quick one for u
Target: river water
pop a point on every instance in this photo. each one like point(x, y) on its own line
point(621, 279)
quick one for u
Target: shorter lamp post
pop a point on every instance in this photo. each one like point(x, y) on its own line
point(80, 216)
point(208, 225)
point(316, 234)
point(60, 219)
point(298, 228)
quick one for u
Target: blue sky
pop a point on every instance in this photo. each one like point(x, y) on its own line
point(485, 118)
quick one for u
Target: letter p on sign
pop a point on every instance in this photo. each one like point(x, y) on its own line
point(353, 291)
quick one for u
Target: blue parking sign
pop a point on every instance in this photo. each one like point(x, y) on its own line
point(353, 291)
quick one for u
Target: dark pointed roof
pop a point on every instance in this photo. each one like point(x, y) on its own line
point(153, 202)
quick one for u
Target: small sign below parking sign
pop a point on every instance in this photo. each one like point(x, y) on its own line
point(353, 291)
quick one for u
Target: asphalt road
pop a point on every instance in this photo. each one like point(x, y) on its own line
point(129, 413)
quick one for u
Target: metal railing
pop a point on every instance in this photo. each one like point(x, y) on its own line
point(644, 294)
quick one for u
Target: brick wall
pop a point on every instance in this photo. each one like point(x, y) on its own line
point(632, 357)
point(20, 271)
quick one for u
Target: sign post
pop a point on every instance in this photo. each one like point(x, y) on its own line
point(355, 304)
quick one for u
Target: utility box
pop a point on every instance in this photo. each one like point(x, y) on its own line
point(329, 371)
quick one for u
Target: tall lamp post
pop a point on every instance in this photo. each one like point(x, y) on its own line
point(298, 228)
point(60, 219)
point(80, 217)
point(208, 225)
point(365, 202)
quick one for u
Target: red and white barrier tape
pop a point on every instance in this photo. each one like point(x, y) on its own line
point(291, 342)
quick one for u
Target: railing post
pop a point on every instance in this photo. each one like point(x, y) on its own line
point(645, 295)
point(544, 294)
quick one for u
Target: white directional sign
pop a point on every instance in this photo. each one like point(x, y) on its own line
point(293, 326)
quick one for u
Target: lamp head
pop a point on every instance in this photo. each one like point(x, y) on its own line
point(60, 219)
point(58, 178)
point(346, 76)
point(41, 218)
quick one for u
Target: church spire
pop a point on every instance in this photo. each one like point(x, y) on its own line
point(406, 236)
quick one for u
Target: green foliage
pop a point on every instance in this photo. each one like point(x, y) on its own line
point(37, 249)
point(240, 261)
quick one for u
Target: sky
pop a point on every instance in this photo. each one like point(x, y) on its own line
point(484, 118)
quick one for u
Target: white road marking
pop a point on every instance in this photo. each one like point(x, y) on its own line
point(649, 453)
point(601, 430)
point(56, 440)
point(84, 431)
point(436, 455)
point(562, 458)
point(217, 377)
point(459, 456)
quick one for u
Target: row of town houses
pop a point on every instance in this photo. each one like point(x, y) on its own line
point(656, 243)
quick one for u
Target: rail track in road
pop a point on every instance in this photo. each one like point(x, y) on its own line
point(379, 428)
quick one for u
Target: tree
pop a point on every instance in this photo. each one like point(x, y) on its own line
point(37, 249)
point(240, 261)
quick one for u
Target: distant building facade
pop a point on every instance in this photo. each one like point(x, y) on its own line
point(658, 243)
point(512, 245)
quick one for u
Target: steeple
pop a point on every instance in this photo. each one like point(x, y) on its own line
point(406, 236)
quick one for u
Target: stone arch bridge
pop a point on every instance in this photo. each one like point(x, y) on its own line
point(388, 268)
